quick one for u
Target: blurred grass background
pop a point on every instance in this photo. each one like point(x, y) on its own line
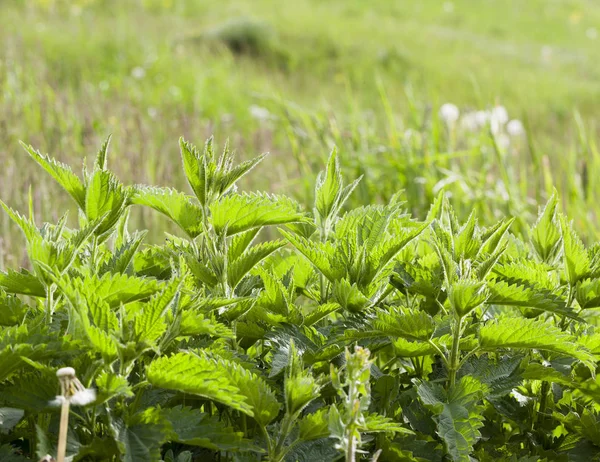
point(296, 78)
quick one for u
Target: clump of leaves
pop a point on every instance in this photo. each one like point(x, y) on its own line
point(360, 334)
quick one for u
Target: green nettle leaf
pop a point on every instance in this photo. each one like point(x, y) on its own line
point(124, 256)
point(9, 417)
point(101, 157)
point(407, 349)
point(375, 423)
point(62, 173)
point(105, 197)
point(112, 385)
point(174, 204)
point(328, 187)
point(588, 293)
point(546, 234)
point(190, 373)
point(466, 295)
point(195, 167)
point(457, 414)
point(195, 428)
point(466, 243)
point(320, 255)
point(408, 324)
point(22, 282)
point(314, 426)
point(242, 265)
point(210, 178)
point(519, 294)
point(257, 392)
point(12, 309)
point(521, 333)
point(349, 296)
point(114, 288)
point(237, 213)
point(103, 343)
point(140, 441)
point(577, 262)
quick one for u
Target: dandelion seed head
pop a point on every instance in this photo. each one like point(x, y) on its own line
point(259, 112)
point(138, 73)
point(57, 401)
point(84, 397)
point(546, 53)
point(500, 114)
point(449, 113)
point(515, 128)
point(470, 122)
point(65, 372)
point(592, 33)
point(482, 118)
point(503, 141)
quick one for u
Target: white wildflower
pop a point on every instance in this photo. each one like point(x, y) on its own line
point(495, 126)
point(482, 118)
point(470, 122)
point(592, 33)
point(138, 73)
point(259, 112)
point(546, 53)
point(515, 128)
point(503, 141)
point(500, 114)
point(449, 113)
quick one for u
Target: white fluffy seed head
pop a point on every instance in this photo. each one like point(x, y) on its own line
point(449, 113)
point(515, 128)
point(57, 401)
point(500, 114)
point(65, 372)
point(83, 397)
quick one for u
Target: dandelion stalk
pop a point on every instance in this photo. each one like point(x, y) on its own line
point(72, 392)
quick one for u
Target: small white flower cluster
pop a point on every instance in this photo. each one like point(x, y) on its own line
point(497, 119)
point(72, 389)
point(259, 113)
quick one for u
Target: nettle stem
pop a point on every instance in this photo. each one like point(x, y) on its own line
point(454, 354)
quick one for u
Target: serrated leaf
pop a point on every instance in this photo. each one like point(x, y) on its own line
point(545, 233)
point(22, 282)
point(576, 258)
point(141, 441)
point(522, 333)
point(194, 428)
point(62, 173)
point(9, 417)
point(105, 197)
point(242, 212)
point(328, 187)
point(174, 204)
point(239, 267)
point(198, 375)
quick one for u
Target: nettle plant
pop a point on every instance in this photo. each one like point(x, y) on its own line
point(357, 334)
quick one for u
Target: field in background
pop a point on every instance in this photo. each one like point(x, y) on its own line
point(296, 78)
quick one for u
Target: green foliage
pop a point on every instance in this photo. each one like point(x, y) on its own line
point(364, 334)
